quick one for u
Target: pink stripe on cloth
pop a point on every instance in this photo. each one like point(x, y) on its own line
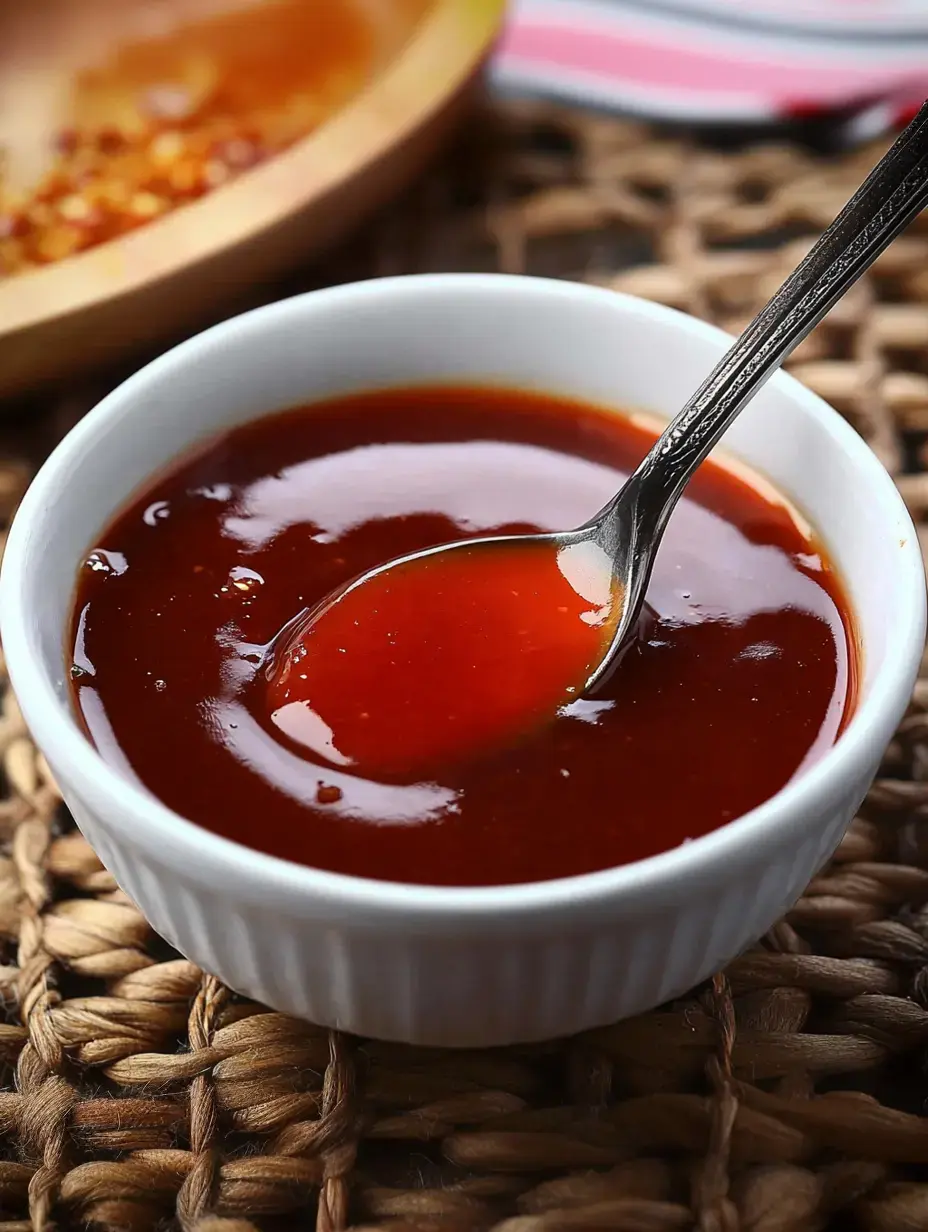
point(660, 61)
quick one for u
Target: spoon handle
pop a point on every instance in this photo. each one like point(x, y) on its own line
point(891, 196)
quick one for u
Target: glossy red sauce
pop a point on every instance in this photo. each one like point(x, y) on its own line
point(443, 657)
point(742, 677)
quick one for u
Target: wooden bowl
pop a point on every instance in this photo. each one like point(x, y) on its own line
point(183, 269)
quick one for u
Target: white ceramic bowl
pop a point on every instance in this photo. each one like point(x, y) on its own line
point(435, 965)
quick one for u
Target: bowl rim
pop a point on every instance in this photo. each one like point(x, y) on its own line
point(394, 104)
point(654, 883)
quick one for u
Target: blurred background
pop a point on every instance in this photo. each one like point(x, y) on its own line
point(167, 162)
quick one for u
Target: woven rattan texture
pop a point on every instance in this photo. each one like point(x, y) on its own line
point(788, 1096)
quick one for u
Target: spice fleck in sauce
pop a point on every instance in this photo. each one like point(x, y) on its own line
point(186, 655)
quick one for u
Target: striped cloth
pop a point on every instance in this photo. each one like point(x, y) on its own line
point(863, 63)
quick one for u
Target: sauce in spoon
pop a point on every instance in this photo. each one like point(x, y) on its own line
point(443, 655)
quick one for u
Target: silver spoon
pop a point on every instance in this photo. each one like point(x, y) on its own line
point(628, 530)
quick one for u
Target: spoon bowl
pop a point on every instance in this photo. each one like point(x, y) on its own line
point(443, 654)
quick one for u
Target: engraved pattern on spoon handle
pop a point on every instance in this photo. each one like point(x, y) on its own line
point(890, 197)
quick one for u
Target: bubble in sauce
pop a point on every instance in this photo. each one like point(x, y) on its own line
point(112, 564)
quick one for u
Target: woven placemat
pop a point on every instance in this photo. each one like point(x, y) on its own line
point(136, 1093)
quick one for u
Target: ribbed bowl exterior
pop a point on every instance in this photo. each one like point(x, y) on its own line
point(509, 986)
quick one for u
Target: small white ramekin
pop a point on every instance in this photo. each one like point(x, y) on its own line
point(435, 965)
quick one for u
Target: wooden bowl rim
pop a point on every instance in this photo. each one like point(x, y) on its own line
point(444, 49)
